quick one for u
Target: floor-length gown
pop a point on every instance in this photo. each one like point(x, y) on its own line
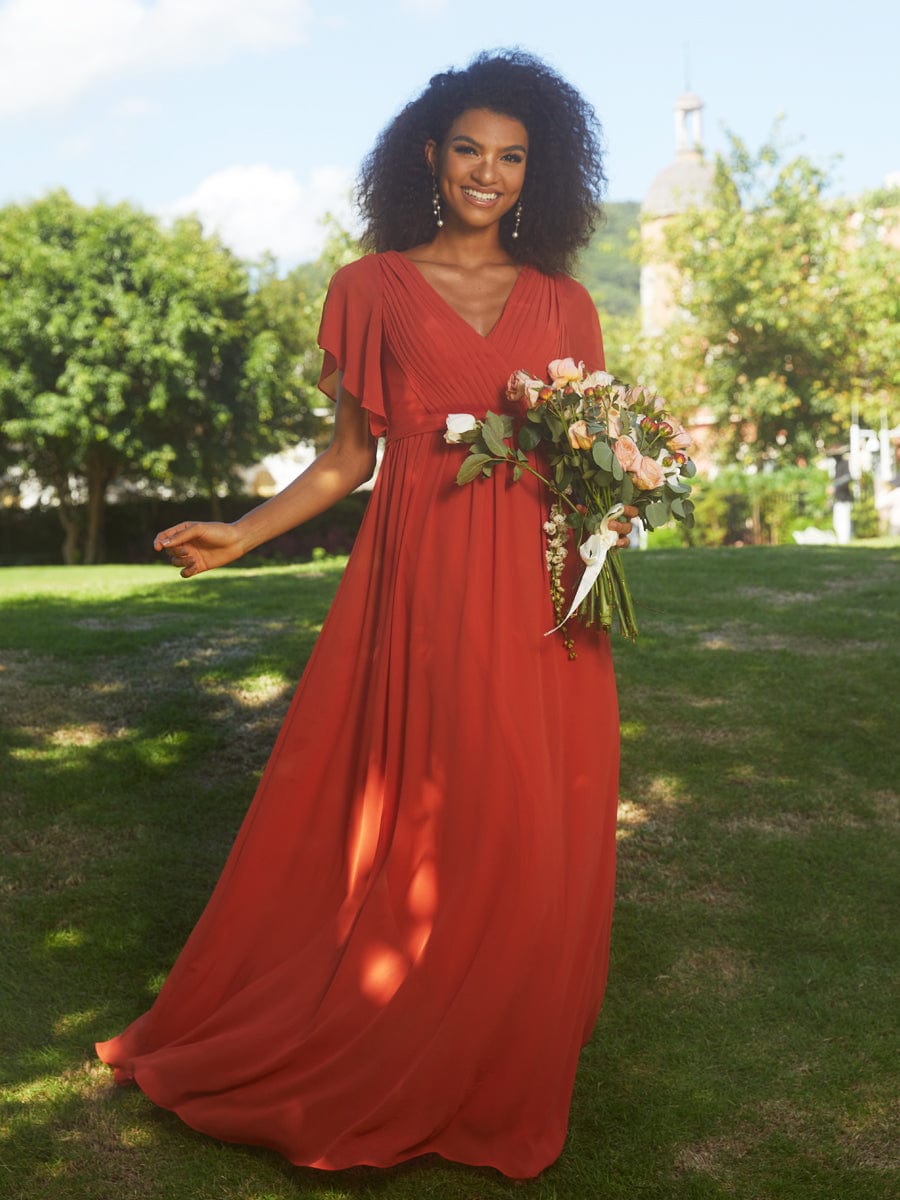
point(407, 947)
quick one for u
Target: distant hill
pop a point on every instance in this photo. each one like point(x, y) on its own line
point(607, 267)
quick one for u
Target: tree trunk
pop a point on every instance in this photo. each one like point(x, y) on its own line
point(99, 477)
point(67, 512)
point(71, 546)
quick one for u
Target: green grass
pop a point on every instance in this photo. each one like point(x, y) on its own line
point(744, 1048)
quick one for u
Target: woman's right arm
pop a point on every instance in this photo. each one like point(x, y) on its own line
point(349, 460)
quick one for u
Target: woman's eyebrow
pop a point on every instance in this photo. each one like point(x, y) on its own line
point(464, 137)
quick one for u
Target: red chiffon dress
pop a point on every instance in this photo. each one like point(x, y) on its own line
point(408, 944)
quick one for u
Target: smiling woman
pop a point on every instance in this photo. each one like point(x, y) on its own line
point(408, 945)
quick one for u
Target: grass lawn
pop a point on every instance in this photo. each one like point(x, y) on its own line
point(744, 1049)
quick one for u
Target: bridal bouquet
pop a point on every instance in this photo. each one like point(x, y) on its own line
point(606, 444)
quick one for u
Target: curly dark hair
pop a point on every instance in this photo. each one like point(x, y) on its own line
point(564, 179)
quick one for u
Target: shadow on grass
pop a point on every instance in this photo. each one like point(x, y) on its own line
point(744, 1047)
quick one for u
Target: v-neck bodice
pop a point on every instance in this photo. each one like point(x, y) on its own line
point(410, 358)
point(421, 281)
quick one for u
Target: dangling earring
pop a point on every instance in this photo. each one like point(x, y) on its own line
point(515, 232)
point(436, 203)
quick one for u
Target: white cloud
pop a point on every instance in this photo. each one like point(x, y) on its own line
point(137, 106)
point(257, 208)
point(53, 51)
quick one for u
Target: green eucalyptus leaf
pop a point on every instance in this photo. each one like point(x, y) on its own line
point(656, 514)
point(680, 489)
point(602, 455)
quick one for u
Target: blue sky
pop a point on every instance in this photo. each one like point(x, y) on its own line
point(256, 113)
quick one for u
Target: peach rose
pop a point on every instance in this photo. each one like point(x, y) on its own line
point(565, 370)
point(627, 453)
point(680, 439)
point(614, 423)
point(648, 474)
point(579, 438)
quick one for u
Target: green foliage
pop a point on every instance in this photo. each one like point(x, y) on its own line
point(786, 320)
point(132, 352)
point(608, 266)
point(764, 507)
point(290, 307)
point(864, 515)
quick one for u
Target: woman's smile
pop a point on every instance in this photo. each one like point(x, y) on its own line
point(478, 197)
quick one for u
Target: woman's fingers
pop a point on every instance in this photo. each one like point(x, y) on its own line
point(623, 528)
point(175, 535)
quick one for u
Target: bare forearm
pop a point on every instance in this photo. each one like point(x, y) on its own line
point(332, 476)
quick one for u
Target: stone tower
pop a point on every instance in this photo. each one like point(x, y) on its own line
point(684, 184)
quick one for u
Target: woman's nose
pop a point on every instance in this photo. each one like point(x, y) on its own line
point(485, 170)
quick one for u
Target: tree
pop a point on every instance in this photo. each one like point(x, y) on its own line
point(290, 307)
point(783, 324)
point(131, 352)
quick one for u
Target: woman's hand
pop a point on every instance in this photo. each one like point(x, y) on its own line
point(197, 546)
point(623, 527)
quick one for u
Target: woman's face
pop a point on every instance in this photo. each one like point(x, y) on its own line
point(480, 167)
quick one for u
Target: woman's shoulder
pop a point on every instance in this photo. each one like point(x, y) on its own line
point(361, 271)
point(570, 289)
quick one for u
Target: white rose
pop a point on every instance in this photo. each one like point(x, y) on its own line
point(599, 379)
point(457, 425)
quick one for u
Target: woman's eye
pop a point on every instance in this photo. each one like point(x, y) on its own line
point(513, 158)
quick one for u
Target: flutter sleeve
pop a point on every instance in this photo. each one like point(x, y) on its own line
point(350, 336)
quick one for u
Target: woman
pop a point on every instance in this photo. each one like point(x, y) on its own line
point(407, 947)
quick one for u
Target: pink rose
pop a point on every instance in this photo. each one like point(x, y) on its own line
point(565, 370)
point(627, 453)
point(522, 386)
point(579, 438)
point(647, 474)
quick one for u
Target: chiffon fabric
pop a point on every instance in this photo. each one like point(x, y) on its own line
point(407, 946)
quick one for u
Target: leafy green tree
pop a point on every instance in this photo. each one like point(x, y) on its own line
point(290, 307)
point(785, 322)
point(608, 267)
point(129, 352)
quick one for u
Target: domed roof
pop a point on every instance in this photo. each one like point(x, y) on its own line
point(684, 184)
point(687, 102)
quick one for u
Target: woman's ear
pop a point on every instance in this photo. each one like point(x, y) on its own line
point(431, 155)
